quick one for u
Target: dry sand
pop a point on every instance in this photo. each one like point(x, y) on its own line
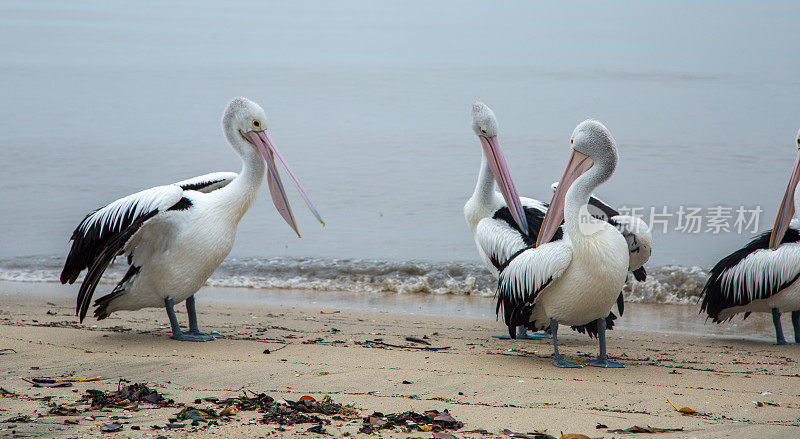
point(485, 383)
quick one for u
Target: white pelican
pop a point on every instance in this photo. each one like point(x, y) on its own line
point(175, 236)
point(500, 232)
point(577, 279)
point(763, 275)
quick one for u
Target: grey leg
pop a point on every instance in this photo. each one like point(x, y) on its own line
point(558, 361)
point(190, 310)
point(796, 325)
point(522, 333)
point(776, 320)
point(177, 334)
point(602, 360)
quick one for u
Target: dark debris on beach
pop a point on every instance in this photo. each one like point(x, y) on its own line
point(431, 420)
point(125, 397)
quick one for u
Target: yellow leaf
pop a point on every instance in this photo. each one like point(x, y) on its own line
point(425, 427)
point(323, 373)
point(77, 379)
point(684, 410)
point(574, 436)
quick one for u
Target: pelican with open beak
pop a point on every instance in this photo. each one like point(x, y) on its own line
point(175, 236)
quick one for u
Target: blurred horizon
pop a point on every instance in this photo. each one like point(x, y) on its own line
point(369, 103)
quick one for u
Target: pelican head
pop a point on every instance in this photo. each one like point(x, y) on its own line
point(484, 124)
point(786, 211)
point(592, 147)
point(245, 125)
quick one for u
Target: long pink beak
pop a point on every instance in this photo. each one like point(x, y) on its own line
point(578, 164)
point(264, 144)
point(786, 211)
point(497, 163)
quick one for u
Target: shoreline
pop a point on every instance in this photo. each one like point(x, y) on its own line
point(503, 384)
point(643, 317)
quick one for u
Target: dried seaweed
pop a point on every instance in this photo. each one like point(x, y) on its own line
point(124, 396)
point(431, 420)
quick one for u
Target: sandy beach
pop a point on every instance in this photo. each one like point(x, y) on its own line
point(490, 385)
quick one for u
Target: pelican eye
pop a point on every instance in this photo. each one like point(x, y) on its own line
point(798, 141)
point(484, 132)
point(571, 141)
point(256, 124)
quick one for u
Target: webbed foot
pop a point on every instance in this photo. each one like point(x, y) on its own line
point(539, 335)
point(559, 361)
point(599, 362)
point(189, 336)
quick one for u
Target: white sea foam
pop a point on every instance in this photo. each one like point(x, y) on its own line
point(668, 284)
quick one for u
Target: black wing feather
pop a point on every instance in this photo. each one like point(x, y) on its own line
point(113, 247)
point(200, 185)
point(715, 297)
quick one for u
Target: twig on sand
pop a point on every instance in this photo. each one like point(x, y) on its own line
point(4, 351)
point(421, 348)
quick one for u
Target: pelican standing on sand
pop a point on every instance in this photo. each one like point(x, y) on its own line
point(577, 279)
point(500, 232)
point(175, 236)
point(763, 275)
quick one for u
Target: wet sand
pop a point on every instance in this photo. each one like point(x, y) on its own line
point(486, 383)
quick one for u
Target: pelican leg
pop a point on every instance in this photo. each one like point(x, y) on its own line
point(602, 360)
point(177, 334)
point(776, 320)
point(796, 325)
point(190, 310)
point(558, 360)
point(522, 333)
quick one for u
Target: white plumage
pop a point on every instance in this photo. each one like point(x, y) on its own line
point(175, 236)
point(575, 280)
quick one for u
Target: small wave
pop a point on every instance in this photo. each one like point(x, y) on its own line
point(668, 284)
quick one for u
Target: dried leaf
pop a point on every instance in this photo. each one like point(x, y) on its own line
point(307, 398)
point(229, 411)
point(763, 403)
point(417, 340)
point(684, 410)
point(323, 373)
point(444, 416)
point(574, 436)
point(535, 435)
point(108, 428)
point(647, 429)
point(329, 312)
point(77, 379)
point(62, 384)
point(440, 435)
point(375, 421)
point(424, 427)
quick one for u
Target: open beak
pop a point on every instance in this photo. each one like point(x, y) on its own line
point(786, 211)
point(497, 163)
point(577, 165)
point(264, 144)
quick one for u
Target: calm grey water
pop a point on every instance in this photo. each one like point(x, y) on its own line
point(368, 101)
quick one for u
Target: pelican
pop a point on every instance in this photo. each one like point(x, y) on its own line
point(763, 275)
point(500, 232)
point(175, 236)
point(577, 279)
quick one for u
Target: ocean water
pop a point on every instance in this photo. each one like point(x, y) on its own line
point(369, 103)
